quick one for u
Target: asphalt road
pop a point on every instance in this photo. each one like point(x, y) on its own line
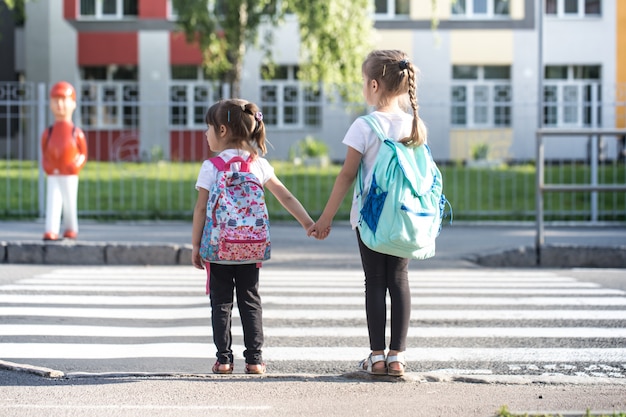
point(314, 386)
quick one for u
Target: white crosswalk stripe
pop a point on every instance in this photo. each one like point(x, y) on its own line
point(519, 319)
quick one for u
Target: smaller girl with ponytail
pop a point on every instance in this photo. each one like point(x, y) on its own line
point(235, 128)
point(389, 84)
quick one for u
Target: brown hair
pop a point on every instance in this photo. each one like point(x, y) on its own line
point(396, 76)
point(244, 122)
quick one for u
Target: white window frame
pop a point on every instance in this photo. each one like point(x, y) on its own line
point(481, 113)
point(391, 11)
point(189, 99)
point(172, 14)
point(284, 113)
point(469, 12)
point(99, 12)
point(285, 101)
point(568, 107)
point(103, 104)
point(580, 11)
point(195, 99)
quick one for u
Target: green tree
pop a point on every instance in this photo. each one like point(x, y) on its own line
point(335, 37)
point(18, 7)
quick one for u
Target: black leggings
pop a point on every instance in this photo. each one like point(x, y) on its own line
point(244, 281)
point(382, 273)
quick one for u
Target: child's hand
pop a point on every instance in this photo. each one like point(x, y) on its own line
point(319, 230)
point(196, 259)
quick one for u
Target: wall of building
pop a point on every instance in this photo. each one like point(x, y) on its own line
point(59, 42)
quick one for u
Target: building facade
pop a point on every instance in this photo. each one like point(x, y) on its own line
point(492, 71)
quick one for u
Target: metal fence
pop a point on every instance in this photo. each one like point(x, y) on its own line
point(125, 181)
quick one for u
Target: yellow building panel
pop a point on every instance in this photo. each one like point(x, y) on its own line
point(481, 47)
point(423, 9)
point(620, 59)
point(464, 141)
point(394, 39)
point(516, 9)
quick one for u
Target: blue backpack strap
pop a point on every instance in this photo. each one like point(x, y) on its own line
point(371, 120)
point(376, 128)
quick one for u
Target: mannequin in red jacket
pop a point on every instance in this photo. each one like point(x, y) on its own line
point(64, 153)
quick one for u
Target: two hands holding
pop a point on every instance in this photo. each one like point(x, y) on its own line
point(319, 230)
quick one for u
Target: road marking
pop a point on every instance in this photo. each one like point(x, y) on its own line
point(308, 283)
point(85, 407)
point(144, 300)
point(311, 314)
point(312, 331)
point(267, 289)
point(313, 353)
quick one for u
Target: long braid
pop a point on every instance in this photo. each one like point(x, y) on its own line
point(416, 138)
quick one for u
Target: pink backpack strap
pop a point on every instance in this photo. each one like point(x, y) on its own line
point(225, 166)
point(218, 162)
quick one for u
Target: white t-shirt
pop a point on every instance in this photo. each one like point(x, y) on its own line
point(208, 172)
point(362, 138)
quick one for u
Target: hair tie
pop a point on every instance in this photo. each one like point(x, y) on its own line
point(258, 116)
point(404, 64)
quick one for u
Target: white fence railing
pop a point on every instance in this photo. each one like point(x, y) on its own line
point(595, 138)
point(120, 180)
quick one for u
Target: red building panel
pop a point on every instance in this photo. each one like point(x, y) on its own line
point(70, 9)
point(104, 48)
point(182, 53)
point(113, 145)
point(152, 9)
point(189, 146)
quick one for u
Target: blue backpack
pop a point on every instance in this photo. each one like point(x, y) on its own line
point(402, 212)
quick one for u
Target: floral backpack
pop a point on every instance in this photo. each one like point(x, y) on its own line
point(237, 229)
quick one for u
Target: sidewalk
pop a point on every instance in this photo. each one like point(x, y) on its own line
point(459, 245)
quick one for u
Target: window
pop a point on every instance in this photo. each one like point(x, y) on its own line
point(481, 96)
point(287, 102)
point(191, 94)
point(392, 8)
point(108, 9)
point(480, 8)
point(172, 13)
point(109, 97)
point(572, 95)
point(573, 8)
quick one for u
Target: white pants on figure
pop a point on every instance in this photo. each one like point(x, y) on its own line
point(62, 197)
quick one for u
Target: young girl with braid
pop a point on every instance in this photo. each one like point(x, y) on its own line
point(389, 85)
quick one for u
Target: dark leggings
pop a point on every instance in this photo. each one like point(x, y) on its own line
point(382, 273)
point(245, 279)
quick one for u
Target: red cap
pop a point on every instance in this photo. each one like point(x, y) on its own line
point(63, 89)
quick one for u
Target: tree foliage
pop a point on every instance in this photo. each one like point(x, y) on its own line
point(223, 29)
point(18, 7)
point(335, 37)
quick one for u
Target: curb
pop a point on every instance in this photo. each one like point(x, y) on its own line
point(409, 377)
point(556, 256)
point(69, 252)
point(72, 253)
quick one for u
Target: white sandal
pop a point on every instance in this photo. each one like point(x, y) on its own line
point(367, 365)
point(399, 358)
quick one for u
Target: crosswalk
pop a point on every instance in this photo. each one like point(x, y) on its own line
point(482, 321)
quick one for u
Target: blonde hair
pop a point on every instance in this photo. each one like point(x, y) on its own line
point(244, 122)
point(397, 76)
